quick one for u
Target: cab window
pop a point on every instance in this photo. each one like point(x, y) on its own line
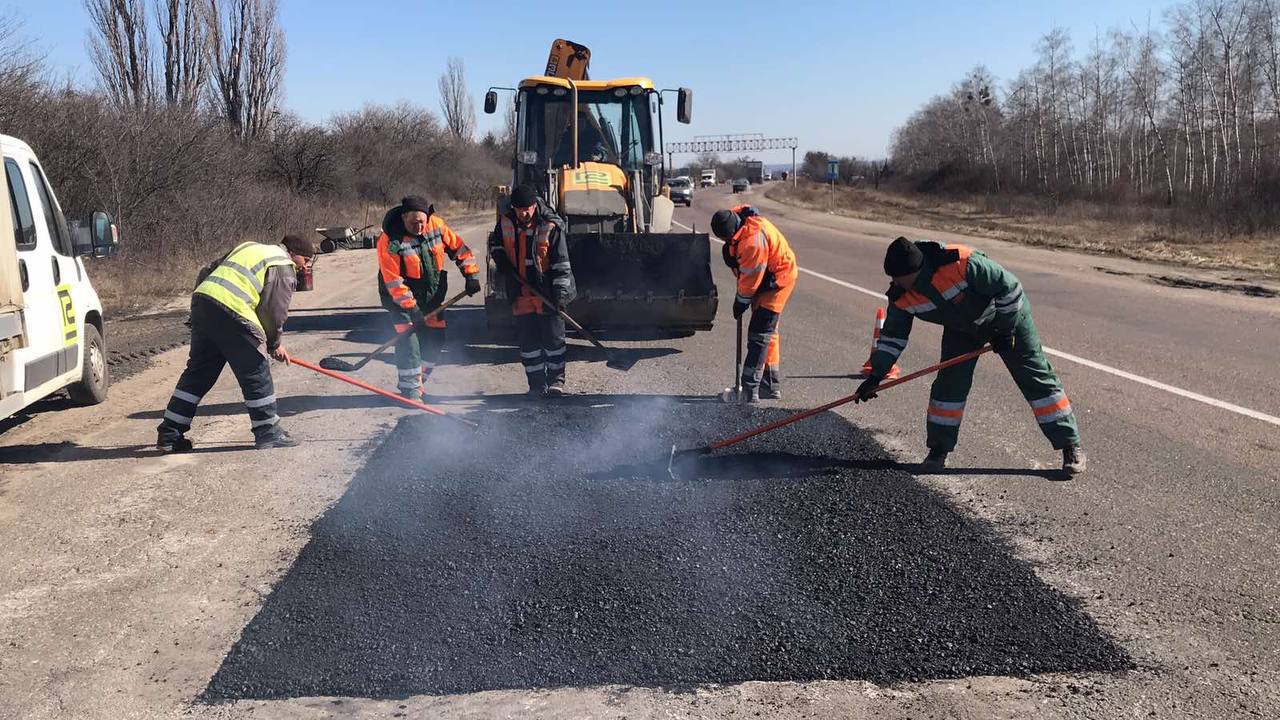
point(53, 218)
point(24, 225)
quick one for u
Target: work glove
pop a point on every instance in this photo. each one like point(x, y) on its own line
point(473, 284)
point(730, 260)
point(1002, 344)
point(500, 260)
point(416, 317)
point(867, 389)
point(739, 307)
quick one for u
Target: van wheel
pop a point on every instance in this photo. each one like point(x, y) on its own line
point(92, 388)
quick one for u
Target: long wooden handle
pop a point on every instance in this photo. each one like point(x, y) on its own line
point(847, 399)
point(567, 318)
point(379, 391)
point(399, 335)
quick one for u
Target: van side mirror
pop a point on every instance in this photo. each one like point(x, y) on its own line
point(490, 102)
point(684, 106)
point(105, 236)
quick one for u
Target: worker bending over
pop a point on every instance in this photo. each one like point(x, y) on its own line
point(238, 310)
point(412, 282)
point(762, 260)
point(977, 302)
point(529, 243)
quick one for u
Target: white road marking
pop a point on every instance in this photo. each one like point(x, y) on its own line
point(1222, 404)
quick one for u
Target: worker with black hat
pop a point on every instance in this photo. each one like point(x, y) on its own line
point(529, 242)
point(412, 282)
point(238, 310)
point(762, 260)
point(977, 302)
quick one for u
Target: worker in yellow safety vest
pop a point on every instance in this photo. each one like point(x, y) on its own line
point(238, 310)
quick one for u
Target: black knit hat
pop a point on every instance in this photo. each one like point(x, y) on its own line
point(725, 223)
point(902, 258)
point(415, 203)
point(523, 196)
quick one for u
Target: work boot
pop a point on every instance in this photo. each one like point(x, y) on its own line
point(281, 439)
point(750, 395)
point(537, 392)
point(935, 461)
point(555, 389)
point(416, 394)
point(1074, 461)
point(770, 392)
point(173, 444)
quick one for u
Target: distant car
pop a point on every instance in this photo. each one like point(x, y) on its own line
point(740, 185)
point(768, 177)
point(681, 191)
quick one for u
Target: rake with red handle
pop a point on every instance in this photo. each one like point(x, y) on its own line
point(720, 444)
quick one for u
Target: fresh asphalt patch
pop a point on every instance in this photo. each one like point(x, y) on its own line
point(551, 549)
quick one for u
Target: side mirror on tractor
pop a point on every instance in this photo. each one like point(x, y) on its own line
point(490, 102)
point(684, 106)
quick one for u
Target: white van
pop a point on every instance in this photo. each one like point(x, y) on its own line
point(51, 332)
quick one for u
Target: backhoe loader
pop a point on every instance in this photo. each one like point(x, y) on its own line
point(593, 150)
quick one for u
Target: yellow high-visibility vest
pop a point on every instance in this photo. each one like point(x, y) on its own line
point(237, 281)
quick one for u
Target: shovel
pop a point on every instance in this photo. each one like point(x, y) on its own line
point(336, 363)
point(698, 452)
point(615, 360)
point(731, 394)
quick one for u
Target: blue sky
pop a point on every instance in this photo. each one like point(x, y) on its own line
point(840, 76)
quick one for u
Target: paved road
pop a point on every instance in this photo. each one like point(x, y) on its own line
point(145, 586)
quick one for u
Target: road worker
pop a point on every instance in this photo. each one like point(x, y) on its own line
point(529, 242)
point(977, 302)
point(238, 310)
point(766, 269)
point(412, 282)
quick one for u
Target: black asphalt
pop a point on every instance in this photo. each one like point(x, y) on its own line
point(551, 549)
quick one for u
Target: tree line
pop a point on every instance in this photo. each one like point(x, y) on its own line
point(185, 140)
point(1184, 114)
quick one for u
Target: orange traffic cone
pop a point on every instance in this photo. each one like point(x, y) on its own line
point(875, 338)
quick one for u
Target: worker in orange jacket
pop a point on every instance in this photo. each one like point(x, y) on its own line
point(412, 282)
point(766, 269)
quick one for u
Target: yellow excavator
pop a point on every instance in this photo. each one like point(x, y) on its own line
point(593, 149)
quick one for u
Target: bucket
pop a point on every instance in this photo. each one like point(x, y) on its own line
point(306, 278)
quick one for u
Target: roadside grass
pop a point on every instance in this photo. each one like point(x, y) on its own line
point(1137, 233)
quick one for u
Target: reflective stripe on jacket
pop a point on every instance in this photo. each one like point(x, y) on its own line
point(237, 281)
point(760, 249)
point(516, 244)
point(958, 287)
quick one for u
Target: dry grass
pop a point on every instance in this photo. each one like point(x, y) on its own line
point(1137, 233)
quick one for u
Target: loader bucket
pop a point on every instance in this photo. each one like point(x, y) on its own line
point(636, 282)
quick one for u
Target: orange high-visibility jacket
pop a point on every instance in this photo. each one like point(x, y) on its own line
point(542, 259)
point(401, 259)
point(760, 248)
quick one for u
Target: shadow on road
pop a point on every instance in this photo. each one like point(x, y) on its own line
point(72, 452)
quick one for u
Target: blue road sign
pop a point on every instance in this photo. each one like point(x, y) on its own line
point(833, 170)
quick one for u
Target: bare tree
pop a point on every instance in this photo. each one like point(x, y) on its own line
point(247, 50)
point(186, 57)
point(119, 45)
point(455, 103)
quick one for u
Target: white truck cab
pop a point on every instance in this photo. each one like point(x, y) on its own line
point(51, 330)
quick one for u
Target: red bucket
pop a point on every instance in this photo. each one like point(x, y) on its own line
point(306, 278)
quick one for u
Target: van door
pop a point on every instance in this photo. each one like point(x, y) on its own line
point(50, 354)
